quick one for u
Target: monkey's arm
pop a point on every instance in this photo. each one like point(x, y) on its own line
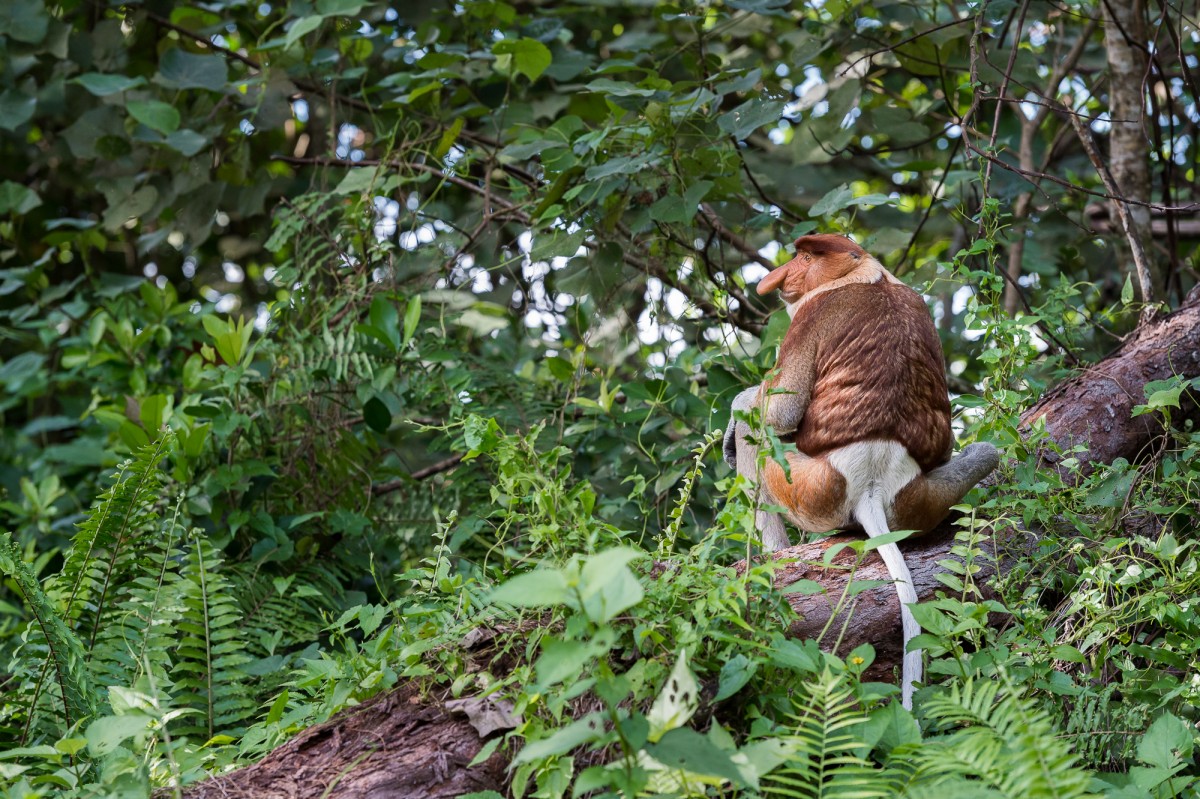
point(742, 454)
point(787, 391)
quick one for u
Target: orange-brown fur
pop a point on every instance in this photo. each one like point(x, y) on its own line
point(861, 361)
point(879, 372)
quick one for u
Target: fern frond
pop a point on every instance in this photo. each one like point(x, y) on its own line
point(210, 651)
point(1011, 745)
point(66, 653)
point(123, 509)
point(1099, 728)
point(826, 760)
point(138, 634)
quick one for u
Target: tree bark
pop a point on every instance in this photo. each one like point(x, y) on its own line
point(1129, 145)
point(406, 743)
point(1095, 408)
point(399, 744)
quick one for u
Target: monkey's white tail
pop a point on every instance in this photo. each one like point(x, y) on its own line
point(871, 516)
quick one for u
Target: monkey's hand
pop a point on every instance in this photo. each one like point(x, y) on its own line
point(743, 402)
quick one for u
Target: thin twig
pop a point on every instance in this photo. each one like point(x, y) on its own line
point(903, 42)
point(737, 242)
point(379, 489)
point(1140, 262)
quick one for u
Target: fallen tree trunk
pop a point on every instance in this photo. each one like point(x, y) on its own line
point(406, 744)
point(399, 744)
point(873, 616)
point(1095, 407)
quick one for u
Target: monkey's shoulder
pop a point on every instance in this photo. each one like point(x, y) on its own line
point(861, 312)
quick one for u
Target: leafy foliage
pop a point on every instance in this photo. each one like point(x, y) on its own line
point(333, 335)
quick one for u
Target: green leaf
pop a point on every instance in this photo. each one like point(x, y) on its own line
point(412, 316)
point(1067, 653)
point(535, 589)
point(187, 142)
point(1127, 290)
point(875, 542)
point(833, 200)
point(15, 109)
point(17, 198)
point(529, 56)
point(673, 208)
point(619, 88)
point(449, 136)
point(376, 415)
point(606, 584)
point(750, 116)
point(798, 656)
point(622, 165)
point(932, 619)
point(154, 114)
point(561, 660)
point(1165, 398)
point(356, 181)
point(131, 206)
point(278, 707)
point(339, 8)
point(735, 673)
point(480, 434)
point(1112, 490)
point(178, 69)
point(677, 702)
point(843, 197)
point(107, 733)
point(386, 320)
point(692, 752)
point(102, 85)
point(154, 411)
point(804, 588)
point(24, 20)
point(231, 337)
point(588, 728)
point(1167, 744)
point(556, 243)
point(302, 27)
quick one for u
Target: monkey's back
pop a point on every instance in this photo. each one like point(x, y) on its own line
point(879, 372)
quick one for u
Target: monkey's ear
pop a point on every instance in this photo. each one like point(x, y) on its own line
point(774, 278)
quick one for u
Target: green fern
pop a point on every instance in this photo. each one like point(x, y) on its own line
point(1101, 729)
point(826, 761)
point(122, 511)
point(139, 632)
point(1007, 744)
point(90, 574)
point(210, 650)
point(66, 653)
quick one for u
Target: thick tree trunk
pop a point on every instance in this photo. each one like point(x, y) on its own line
point(1129, 142)
point(1094, 408)
point(407, 744)
point(400, 744)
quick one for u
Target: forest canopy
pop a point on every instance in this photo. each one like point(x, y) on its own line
point(363, 358)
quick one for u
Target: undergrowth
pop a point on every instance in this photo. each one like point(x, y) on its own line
point(263, 557)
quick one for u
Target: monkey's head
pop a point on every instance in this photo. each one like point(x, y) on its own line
point(819, 259)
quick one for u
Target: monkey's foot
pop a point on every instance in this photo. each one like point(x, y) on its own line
point(978, 460)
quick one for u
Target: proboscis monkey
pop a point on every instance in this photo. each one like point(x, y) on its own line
point(859, 387)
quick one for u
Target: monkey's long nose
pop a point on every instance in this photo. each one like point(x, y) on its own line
point(774, 279)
